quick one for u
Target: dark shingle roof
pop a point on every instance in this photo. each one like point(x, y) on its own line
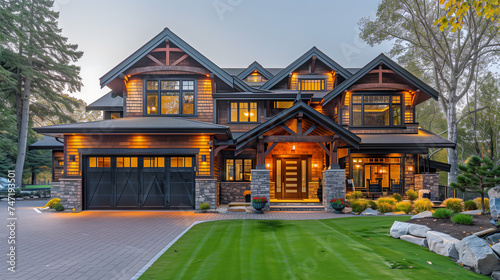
point(47, 143)
point(424, 139)
point(107, 103)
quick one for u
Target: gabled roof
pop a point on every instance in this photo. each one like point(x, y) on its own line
point(381, 58)
point(108, 102)
point(303, 59)
point(255, 66)
point(47, 143)
point(193, 53)
point(290, 113)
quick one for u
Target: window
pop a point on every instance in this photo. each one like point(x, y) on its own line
point(311, 84)
point(374, 170)
point(126, 162)
point(154, 162)
point(170, 97)
point(181, 162)
point(99, 162)
point(238, 169)
point(283, 104)
point(255, 78)
point(376, 110)
point(243, 112)
point(115, 115)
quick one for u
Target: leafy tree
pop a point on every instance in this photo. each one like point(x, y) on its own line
point(456, 10)
point(478, 175)
point(447, 60)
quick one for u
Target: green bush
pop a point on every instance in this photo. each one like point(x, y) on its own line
point(53, 202)
point(373, 204)
point(404, 206)
point(442, 213)
point(397, 197)
point(204, 206)
point(385, 207)
point(454, 204)
point(462, 219)
point(58, 207)
point(389, 200)
point(486, 204)
point(423, 204)
point(359, 205)
point(412, 195)
point(354, 195)
point(470, 205)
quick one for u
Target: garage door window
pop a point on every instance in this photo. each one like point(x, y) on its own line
point(100, 162)
point(126, 162)
point(181, 162)
point(154, 162)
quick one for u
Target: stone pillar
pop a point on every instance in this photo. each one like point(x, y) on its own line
point(333, 186)
point(429, 181)
point(70, 192)
point(205, 191)
point(261, 185)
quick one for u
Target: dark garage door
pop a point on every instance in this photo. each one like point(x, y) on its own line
point(138, 182)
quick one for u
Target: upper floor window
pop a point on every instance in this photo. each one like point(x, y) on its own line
point(311, 84)
point(170, 97)
point(376, 110)
point(255, 78)
point(243, 112)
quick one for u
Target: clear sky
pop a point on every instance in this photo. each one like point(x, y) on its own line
point(231, 33)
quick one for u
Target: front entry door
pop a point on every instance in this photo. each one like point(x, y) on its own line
point(291, 178)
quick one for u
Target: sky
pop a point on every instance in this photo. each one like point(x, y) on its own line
point(231, 33)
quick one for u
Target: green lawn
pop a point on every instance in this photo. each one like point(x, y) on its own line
point(346, 248)
point(28, 187)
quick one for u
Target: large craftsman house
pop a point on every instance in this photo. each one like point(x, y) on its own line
point(178, 130)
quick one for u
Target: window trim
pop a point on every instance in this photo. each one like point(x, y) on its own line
point(390, 104)
point(238, 122)
point(180, 91)
point(234, 166)
point(299, 84)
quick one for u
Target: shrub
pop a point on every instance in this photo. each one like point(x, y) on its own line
point(470, 205)
point(442, 213)
point(423, 204)
point(404, 206)
point(385, 207)
point(462, 219)
point(454, 204)
point(397, 197)
point(389, 200)
point(58, 207)
point(359, 205)
point(354, 195)
point(412, 195)
point(486, 204)
point(204, 206)
point(373, 204)
point(53, 202)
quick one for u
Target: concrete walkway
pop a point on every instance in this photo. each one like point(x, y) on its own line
point(101, 244)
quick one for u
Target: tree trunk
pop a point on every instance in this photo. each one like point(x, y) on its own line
point(451, 118)
point(23, 134)
point(482, 203)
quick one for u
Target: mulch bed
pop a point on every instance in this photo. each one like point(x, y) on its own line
point(479, 223)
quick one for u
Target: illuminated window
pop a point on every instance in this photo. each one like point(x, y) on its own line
point(115, 115)
point(376, 110)
point(181, 162)
point(126, 162)
point(99, 162)
point(283, 104)
point(238, 169)
point(154, 162)
point(311, 84)
point(255, 78)
point(243, 112)
point(170, 97)
point(60, 162)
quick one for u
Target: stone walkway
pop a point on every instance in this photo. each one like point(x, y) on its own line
point(102, 244)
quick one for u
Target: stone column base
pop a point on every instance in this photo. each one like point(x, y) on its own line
point(261, 185)
point(333, 186)
point(69, 190)
point(205, 192)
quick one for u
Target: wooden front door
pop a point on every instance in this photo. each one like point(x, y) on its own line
point(291, 178)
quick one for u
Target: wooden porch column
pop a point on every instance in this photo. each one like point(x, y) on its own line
point(261, 156)
point(334, 161)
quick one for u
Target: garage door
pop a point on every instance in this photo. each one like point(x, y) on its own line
point(138, 182)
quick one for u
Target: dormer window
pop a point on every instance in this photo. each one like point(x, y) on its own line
point(170, 97)
point(255, 77)
point(376, 110)
point(311, 84)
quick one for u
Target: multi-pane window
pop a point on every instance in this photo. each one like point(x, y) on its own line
point(171, 97)
point(255, 78)
point(311, 84)
point(126, 162)
point(243, 112)
point(99, 162)
point(376, 110)
point(181, 162)
point(154, 162)
point(238, 169)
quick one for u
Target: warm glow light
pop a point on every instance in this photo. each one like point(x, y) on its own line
point(358, 166)
point(293, 147)
point(354, 160)
point(268, 165)
point(410, 168)
point(230, 178)
point(315, 165)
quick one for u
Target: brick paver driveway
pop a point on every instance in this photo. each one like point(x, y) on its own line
point(100, 244)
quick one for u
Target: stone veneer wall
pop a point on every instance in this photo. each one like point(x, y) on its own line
point(205, 191)
point(333, 186)
point(69, 190)
point(313, 189)
point(409, 174)
point(233, 191)
point(261, 184)
point(428, 181)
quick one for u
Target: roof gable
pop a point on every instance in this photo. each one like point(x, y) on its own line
point(381, 59)
point(166, 34)
point(255, 66)
point(303, 59)
point(108, 102)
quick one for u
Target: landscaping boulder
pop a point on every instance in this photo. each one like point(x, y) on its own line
point(399, 229)
point(475, 252)
point(493, 239)
point(442, 244)
point(425, 214)
point(370, 212)
point(414, 239)
point(496, 248)
point(495, 275)
point(494, 195)
point(472, 212)
point(418, 230)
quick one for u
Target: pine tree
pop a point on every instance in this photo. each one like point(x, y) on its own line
point(478, 175)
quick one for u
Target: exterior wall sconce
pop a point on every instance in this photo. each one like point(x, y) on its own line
point(410, 168)
point(204, 158)
point(209, 146)
point(315, 165)
point(268, 165)
point(293, 147)
point(72, 158)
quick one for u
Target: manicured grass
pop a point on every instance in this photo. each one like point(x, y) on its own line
point(346, 248)
point(27, 187)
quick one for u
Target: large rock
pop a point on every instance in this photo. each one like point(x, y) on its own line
point(493, 239)
point(418, 230)
point(495, 275)
point(425, 214)
point(370, 212)
point(475, 252)
point(414, 239)
point(494, 195)
point(441, 243)
point(399, 229)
